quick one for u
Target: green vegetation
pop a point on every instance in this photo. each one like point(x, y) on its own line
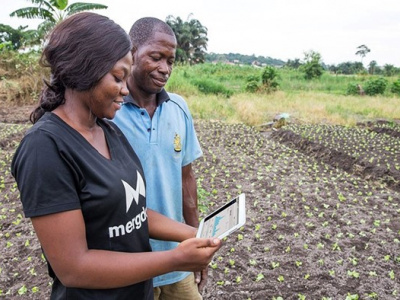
point(52, 12)
point(192, 39)
point(247, 94)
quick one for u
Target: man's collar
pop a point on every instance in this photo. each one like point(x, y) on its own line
point(161, 97)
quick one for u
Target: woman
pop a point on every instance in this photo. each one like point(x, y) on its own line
point(81, 183)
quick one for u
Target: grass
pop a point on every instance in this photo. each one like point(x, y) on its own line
point(303, 107)
point(218, 92)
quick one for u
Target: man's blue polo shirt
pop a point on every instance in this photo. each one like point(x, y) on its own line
point(164, 144)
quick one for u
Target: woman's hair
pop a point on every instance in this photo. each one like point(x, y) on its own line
point(79, 51)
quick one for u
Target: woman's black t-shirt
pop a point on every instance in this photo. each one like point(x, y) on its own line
point(57, 170)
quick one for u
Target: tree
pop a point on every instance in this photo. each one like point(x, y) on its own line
point(293, 64)
point(362, 51)
point(14, 39)
point(350, 68)
point(312, 67)
point(52, 12)
point(372, 67)
point(389, 70)
point(333, 68)
point(192, 39)
point(269, 79)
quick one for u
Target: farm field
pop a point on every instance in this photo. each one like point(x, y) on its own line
point(323, 206)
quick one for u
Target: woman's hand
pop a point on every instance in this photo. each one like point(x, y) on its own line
point(195, 254)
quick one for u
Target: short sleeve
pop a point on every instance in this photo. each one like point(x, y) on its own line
point(46, 179)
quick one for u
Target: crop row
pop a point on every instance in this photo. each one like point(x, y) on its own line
point(21, 258)
point(313, 230)
point(378, 154)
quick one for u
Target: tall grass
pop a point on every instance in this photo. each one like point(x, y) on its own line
point(322, 100)
point(20, 77)
point(219, 92)
point(303, 107)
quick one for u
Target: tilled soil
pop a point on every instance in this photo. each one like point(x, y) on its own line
point(318, 227)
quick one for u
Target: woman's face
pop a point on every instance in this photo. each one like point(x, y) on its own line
point(106, 97)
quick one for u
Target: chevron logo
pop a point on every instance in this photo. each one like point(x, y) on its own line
point(133, 194)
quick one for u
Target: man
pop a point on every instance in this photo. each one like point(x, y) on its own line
point(160, 128)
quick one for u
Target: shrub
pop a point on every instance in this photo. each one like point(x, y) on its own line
point(209, 86)
point(252, 83)
point(269, 77)
point(352, 89)
point(375, 86)
point(396, 87)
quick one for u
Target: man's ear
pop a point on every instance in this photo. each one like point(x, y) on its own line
point(133, 51)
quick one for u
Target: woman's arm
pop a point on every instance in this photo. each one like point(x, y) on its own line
point(164, 228)
point(62, 236)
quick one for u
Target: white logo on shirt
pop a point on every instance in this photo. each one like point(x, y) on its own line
point(130, 195)
point(133, 194)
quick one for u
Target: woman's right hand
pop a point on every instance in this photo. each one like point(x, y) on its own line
point(196, 253)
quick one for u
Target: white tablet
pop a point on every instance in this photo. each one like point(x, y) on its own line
point(224, 220)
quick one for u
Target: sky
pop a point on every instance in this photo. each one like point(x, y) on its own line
point(280, 29)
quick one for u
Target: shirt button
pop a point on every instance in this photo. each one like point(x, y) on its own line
point(148, 129)
point(142, 113)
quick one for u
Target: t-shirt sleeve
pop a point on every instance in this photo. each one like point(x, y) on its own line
point(46, 179)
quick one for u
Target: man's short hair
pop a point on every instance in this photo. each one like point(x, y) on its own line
point(143, 30)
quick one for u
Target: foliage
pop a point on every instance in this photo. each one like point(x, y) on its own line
point(269, 78)
point(15, 64)
point(312, 67)
point(52, 12)
point(352, 89)
point(389, 70)
point(252, 83)
point(14, 39)
point(209, 86)
point(349, 68)
point(192, 39)
point(313, 100)
point(372, 67)
point(237, 58)
point(21, 77)
point(362, 51)
point(294, 64)
point(395, 89)
point(375, 86)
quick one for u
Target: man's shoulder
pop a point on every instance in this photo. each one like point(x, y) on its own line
point(178, 101)
point(176, 98)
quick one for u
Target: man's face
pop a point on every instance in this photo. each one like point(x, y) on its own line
point(152, 64)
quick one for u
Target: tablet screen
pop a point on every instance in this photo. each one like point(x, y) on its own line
point(221, 221)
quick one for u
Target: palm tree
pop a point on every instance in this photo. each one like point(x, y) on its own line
point(372, 66)
point(52, 12)
point(199, 41)
point(192, 39)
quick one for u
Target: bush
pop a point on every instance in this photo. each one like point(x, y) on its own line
point(209, 86)
point(269, 77)
point(396, 87)
point(375, 86)
point(352, 89)
point(252, 83)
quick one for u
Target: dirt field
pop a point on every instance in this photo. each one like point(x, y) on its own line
point(323, 212)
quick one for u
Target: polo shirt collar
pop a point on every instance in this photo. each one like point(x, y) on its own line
point(161, 97)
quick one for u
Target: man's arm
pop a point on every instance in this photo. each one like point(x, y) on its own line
point(191, 213)
point(189, 196)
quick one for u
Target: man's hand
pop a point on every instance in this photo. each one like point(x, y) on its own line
point(201, 279)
